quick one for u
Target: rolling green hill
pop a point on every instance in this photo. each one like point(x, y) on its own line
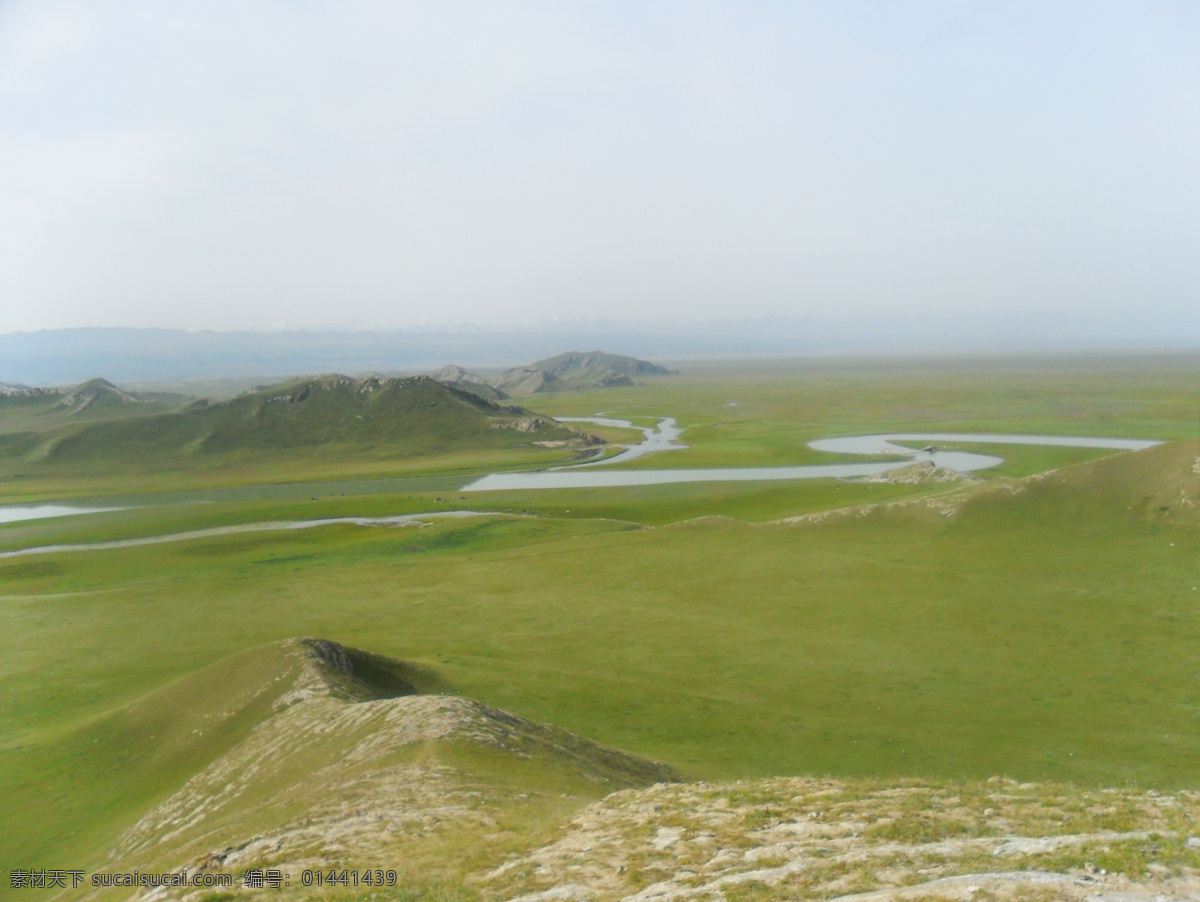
point(574, 370)
point(333, 422)
point(25, 409)
point(296, 753)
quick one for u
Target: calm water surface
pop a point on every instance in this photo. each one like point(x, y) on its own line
point(667, 432)
point(662, 437)
point(657, 438)
point(401, 520)
point(17, 513)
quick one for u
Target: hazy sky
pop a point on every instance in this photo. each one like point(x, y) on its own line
point(246, 164)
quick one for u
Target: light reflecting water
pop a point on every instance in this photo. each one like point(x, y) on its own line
point(962, 461)
point(882, 443)
point(663, 437)
point(657, 438)
point(17, 513)
point(400, 520)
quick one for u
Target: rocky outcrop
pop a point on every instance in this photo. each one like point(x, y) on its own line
point(868, 841)
point(20, 391)
point(919, 473)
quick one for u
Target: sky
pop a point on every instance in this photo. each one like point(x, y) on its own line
point(309, 164)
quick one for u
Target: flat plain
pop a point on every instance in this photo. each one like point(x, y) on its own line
point(1038, 625)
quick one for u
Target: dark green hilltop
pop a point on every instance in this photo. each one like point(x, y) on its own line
point(328, 415)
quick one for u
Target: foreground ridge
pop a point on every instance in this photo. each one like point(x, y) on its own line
point(806, 838)
point(361, 761)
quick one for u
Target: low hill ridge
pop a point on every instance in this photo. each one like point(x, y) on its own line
point(527, 380)
point(595, 365)
point(1160, 484)
point(378, 416)
point(78, 396)
point(34, 409)
point(17, 391)
point(572, 370)
point(462, 378)
point(96, 392)
point(363, 761)
point(356, 755)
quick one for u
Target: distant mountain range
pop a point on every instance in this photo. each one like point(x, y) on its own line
point(58, 356)
point(572, 370)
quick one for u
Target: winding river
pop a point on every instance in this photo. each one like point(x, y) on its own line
point(662, 437)
point(216, 531)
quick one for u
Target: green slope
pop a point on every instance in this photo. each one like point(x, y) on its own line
point(333, 417)
point(37, 410)
point(298, 740)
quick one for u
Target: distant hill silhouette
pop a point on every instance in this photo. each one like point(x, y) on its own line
point(468, 381)
point(572, 370)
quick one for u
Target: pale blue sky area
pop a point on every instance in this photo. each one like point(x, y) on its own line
point(230, 165)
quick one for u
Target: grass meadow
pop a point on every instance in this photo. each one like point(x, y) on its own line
point(1046, 630)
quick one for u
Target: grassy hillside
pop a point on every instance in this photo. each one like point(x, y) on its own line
point(310, 757)
point(35, 410)
point(257, 760)
point(333, 421)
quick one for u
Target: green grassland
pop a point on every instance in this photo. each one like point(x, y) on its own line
point(735, 414)
point(1042, 629)
point(764, 413)
point(1044, 635)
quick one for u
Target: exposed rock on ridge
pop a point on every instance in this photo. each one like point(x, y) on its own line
point(343, 767)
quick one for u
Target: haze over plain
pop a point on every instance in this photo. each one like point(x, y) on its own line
point(223, 166)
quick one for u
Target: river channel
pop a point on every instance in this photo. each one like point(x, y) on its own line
point(662, 437)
